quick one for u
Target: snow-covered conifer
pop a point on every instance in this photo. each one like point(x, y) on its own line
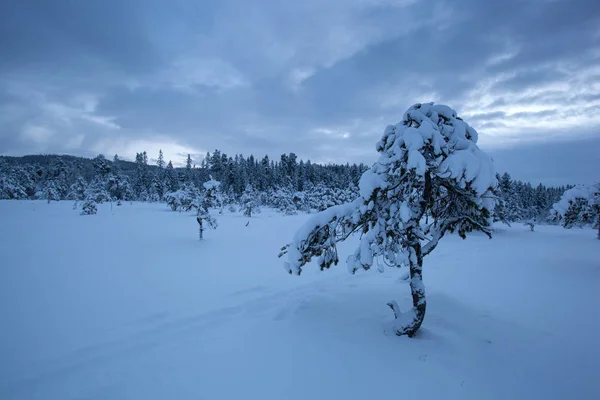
point(161, 159)
point(118, 187)
point(96, 191)
point(204, 202)
point(282, 199)
point(49, 191)
point(10, 186)
point(205, 221)
point(182, 199)
point(249, 201)
point(58, 173)
point(89, 207)
point(77, 190)
point(431, 178)
point(213, 193)
point(171, 180)
point(578, 206)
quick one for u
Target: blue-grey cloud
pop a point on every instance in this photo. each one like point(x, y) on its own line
point(320, 78)
point(555, 163)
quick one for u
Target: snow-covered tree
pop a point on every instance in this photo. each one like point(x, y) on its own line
point(502, 193)
point(431, 178)
point(212, 195)
point(579, 206)
point(282, 199)
point(58, 173)
point(89, 207)
point(205, 221)
point(530, 223)
point(77, 190)
point(188, 168)
point(249, 201)
point(143, 177)
point(321, 197)
point(98, 189)
point(205, 201)
point(118, 187)
point(10, 185)
point(97, 192)
point(49, 191)
point(303, 200)
point(161, 159)
point(171, 180)
point(182, 199)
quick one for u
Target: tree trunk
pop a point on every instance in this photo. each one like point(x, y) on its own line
point(200, 225)
point(410, 322)
point(598, 226)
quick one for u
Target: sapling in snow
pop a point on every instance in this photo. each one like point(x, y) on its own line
point(213, 195)
point(431, 178)
point(203, 204)
point(249, 201)
point(205, 221)
point(530, 223)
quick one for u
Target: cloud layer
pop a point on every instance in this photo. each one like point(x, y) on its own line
point(320, 78)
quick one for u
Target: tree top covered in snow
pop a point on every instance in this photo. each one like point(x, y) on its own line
point(429, 165)
point(452, 146)
point(211, 184)
point(586, 193)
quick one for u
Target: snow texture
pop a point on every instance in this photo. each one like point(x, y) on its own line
point(128, 304)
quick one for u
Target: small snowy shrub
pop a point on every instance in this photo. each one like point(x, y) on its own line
point(579, 206)
point(89, 207)
point(205, 221)
point(531, 224)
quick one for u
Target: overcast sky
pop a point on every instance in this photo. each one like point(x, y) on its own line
point(321, 78)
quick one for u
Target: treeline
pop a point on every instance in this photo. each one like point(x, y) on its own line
point(75, 178)
point(521, 202)
point(287, 184)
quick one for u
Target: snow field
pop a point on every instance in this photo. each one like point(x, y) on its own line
point(129, 304)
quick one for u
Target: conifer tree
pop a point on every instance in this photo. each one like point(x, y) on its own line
point(188, 168)
point(11, 186)
point(431, 178)
point(172, 184)
point(205, 201)
point(161, 160)
point(49, 191)
point(249, 201)
point(89, 207)
point(77, 190)
point(579, 206)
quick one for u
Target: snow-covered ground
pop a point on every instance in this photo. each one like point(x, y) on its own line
point(128, 304)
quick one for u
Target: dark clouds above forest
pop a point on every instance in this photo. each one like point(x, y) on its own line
point(320, 78)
